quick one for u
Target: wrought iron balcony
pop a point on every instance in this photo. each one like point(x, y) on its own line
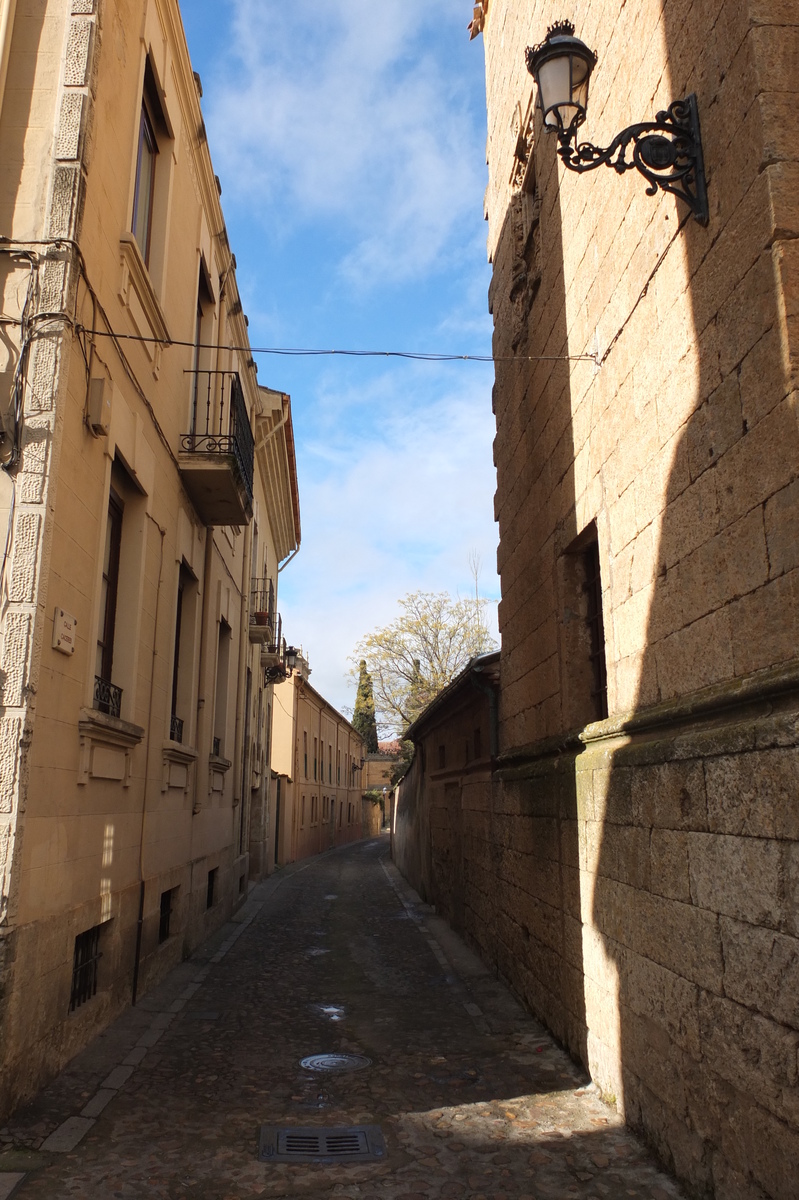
point(107, 697)
point(262, 611)
point(176, 729)
point(216, 747)
point(217, 455)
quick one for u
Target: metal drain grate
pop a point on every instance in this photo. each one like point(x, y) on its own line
point(336, 1062)
point(353, 1143)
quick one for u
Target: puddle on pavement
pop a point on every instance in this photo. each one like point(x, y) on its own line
point(333, 1012)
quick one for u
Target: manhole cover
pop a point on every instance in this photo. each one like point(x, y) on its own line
point(335, 1062)
point(351, 1143)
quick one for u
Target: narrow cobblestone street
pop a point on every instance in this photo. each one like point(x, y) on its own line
point(335, 955)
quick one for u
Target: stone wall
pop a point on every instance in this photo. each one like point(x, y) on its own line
point(636, 878)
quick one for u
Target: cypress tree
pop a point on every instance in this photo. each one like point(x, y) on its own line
point(363, 718)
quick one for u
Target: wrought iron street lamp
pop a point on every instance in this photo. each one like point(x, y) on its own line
point(667, 151)
point(291, 658)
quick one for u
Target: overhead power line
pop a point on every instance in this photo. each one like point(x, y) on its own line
point(306, 352)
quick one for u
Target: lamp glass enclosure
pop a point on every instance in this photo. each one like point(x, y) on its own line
point(562, 67)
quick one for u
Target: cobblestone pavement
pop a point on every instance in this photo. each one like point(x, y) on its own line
point(336, 955)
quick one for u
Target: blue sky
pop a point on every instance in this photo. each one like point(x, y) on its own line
point(350, 142)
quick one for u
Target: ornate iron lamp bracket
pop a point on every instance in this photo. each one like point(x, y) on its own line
point(667, 152)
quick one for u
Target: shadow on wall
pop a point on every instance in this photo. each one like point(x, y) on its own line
point(696, 885)
point(15, 117)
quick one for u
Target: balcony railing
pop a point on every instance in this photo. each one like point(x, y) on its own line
point(217, 455)
point(107, 697)
point(176, 729)
point(262, 611)
point(216, 747)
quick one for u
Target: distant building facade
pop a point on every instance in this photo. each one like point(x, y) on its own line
point(317, 764)
point(149, 492)
point(634, 868)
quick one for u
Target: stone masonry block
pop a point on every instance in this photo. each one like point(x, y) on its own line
point(761, 970)
point(78, 45)
point(10, 736)
point(666, 999)
point(25, 558)
point(754, 795)
point(737, 876)
point(765, 625)
point(782, 522)
point(670, 795)
point(65, 199)
point(697, 656)
point(16, 645)
point(681, 937)
point(670, 873)
point(70, 125)
point(756, 1055)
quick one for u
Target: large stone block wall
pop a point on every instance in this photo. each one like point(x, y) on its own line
point(636, 879)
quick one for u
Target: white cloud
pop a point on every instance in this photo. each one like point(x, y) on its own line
point(342, 113)
point(390, 510)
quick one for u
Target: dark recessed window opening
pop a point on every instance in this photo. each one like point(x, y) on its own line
point(596, 629)
point(242, 882)
point(84, 967)
point(210, 895)
point(478, 743)
point(167, 905)
point(442, 757)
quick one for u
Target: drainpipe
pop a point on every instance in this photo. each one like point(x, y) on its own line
point(244, 645)
point(7, 12)
point(147, 773)
point(205, 620)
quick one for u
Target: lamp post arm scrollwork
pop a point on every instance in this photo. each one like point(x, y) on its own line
point(666, 151)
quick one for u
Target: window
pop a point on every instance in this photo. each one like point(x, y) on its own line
point(201, 378)
point(478, 744)
point(596, 629)
point(338, 768)
point(442, 757)
point(144, 194)
point(167, 907)
point(185, 612)
point(305, 752)
point(85, 961)
point(222, 684)
point(210, 894)
point(315, 756)
point(302, 814)
point(583, 665)
point(330, 763)
point(107, 698)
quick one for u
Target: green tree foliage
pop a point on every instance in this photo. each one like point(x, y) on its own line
point(420, 652)
point(363, 718)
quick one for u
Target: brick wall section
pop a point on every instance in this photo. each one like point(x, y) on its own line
point(637, 880)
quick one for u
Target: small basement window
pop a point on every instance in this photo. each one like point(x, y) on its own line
point(85, 962)
point(167, 907)
point(210, 895)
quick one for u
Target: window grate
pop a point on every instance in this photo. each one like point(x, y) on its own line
point(84, 967)
point(596, 628)
point(357, 1143)
point(167, 899)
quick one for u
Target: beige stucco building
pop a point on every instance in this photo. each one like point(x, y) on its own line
point(149, 489)
point(631, 865)
point(317, 762)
